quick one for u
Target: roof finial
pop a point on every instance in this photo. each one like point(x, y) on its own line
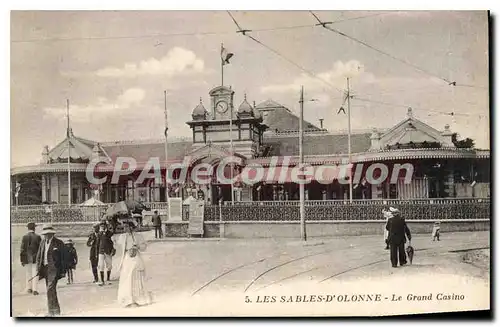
point(245, 96)
point(200, 100)
point(410, 112)
point(254, 104)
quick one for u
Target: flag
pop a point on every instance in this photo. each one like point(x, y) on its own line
point(225, 56)
point(18, 188)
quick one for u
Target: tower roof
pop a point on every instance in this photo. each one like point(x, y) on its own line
point(199, 110)
point(245, 107)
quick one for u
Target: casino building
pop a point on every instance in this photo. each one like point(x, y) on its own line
point(263, 134)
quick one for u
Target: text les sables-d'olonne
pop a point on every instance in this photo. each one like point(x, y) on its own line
point(353, 298)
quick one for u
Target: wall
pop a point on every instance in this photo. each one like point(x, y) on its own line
point(63, 230)
point(274, 229)
point(318, 229)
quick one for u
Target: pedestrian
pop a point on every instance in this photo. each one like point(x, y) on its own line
point(29, 248)
point(105, 252)
point(71, 259)
point(397, 228)
point(131, 288)
point(436, 230)
point(156, 220)
point(50, 261)
point(92, 242)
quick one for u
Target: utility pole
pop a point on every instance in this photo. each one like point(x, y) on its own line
point(166, 149)
point(303, 234)
point(349, 138)
point(68, 132)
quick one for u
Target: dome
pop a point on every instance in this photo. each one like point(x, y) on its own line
point(245, 107)
point(199, 111)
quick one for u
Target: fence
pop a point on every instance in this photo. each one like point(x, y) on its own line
point(420, 209)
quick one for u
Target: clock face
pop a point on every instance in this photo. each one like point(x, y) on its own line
point(221, 107)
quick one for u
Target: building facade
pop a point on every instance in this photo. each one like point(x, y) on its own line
point(264, 135)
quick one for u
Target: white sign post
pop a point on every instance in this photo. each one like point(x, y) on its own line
point(174, 209)
point(196, 217)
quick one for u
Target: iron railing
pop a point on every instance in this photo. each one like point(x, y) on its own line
point(418, 209)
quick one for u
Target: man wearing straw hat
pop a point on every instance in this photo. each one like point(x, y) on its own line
point(50, 266)
point(29, 249)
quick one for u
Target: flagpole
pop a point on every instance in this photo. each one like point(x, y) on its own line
point(232, 151)
point(221, 64)
point(302, 212)
point(69, 154)
point(166, 148)
point(349, 139)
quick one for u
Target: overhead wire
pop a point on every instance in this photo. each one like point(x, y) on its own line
point(310, 73)
point(422, 70)
point(302, 68)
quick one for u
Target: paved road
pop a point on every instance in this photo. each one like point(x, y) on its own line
point(204, 267)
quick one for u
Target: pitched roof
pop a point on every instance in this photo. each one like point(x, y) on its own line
point(280, 119)
point(80, 149)
point(317, 144)
point(142, 152)
point(269, 104)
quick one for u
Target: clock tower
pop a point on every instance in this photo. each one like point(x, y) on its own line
point(244, 130)
point(221, 103)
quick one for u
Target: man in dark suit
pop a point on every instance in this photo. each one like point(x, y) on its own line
point(397, 228)
point(105, 250)
point(29, 249)
point(92, 242)
point(157, 224)
point(50, 261)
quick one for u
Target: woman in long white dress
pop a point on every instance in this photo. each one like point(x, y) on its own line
point(131, 288)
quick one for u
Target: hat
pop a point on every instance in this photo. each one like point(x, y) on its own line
point(70, 241)
point(47, 229)
point(393, 210)
point(31, 226)
point(97, 223)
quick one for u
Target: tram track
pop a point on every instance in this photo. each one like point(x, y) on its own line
point(259, 261)
point(213, 280)
point(381, 258)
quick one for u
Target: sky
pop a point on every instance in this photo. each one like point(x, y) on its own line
point(114, 67)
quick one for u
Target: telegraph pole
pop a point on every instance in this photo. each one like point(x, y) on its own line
point(166, 148)
point(68, 132)
point(303, 234)
point(349, 138)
